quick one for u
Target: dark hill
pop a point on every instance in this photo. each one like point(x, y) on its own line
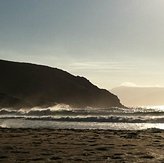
point(28, 85)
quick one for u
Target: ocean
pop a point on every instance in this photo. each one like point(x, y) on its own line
point(65, 117)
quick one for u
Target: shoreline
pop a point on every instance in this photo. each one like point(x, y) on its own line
point(81, 145)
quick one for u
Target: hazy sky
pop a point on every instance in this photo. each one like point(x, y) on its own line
point(108, 41)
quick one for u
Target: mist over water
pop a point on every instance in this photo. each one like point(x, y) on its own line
point(63, 116)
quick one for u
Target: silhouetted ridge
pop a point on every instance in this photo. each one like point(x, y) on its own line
point(37, 85)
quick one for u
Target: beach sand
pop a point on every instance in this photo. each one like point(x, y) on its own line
point(47, 145)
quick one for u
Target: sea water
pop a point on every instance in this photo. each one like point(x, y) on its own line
point(65, 117)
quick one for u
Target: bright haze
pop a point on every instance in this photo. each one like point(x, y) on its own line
point(110, 42)
point(140, 96)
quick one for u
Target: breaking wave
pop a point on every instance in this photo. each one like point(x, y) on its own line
point(65, 113)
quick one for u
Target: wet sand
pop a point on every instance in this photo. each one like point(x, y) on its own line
point(46, 145)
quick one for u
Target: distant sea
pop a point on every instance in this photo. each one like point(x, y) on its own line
point(65, 117)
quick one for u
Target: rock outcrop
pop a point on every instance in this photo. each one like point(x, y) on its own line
point(29, 85)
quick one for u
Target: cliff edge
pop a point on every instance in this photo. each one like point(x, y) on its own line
point(30, 85)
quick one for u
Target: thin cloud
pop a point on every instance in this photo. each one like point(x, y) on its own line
point(130, 84)
point(106, 66)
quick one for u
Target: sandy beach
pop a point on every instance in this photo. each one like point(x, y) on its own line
point(47, 145)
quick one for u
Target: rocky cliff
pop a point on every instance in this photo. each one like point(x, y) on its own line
point(29, 85)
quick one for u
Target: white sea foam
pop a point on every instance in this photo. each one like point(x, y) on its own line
point(95, 117)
